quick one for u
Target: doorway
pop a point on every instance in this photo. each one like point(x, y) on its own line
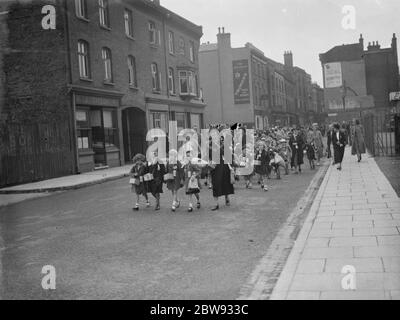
point(134, 132)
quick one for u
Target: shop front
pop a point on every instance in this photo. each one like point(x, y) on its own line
point(97, 130)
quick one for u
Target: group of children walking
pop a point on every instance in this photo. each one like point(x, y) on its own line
point(150, 177)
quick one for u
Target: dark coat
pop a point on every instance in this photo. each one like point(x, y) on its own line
point(339, 146)
point(221, 179)
point(158, 172)
point(137, 172)
point(262, 155)
point(297, 146)
point(177, 171)
point(329, 136)
point(358, 143)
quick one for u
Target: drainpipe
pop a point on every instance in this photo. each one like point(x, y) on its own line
point(73, 105)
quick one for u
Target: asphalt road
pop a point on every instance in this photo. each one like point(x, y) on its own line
point(101, 249)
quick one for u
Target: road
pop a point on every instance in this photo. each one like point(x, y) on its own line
point(101, 249)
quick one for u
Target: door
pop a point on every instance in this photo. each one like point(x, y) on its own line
point(134, 132)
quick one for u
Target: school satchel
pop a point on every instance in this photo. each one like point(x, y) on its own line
point(134, 181)
point(168, 177)
point(193, 183)
point(148, 177)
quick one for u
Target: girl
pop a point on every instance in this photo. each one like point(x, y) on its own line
point(192, 175)
point(157, 170)
point(262, 164)
point(175, 177)
point(139, 186)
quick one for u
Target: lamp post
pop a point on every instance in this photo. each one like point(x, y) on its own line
point(344, 89)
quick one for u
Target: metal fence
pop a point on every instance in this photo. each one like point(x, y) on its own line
point(382, 133)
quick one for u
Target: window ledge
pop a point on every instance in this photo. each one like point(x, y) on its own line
point(108, 83)
point(105, 27)
point(83, 19)
point(173, 94)
point(130, 37)
point(86, 79)
point(133, 88)
point(172, 54)
point(154, 46)
point(156, 91)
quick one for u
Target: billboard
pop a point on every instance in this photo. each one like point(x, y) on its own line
point(241, 81)
point(333, 75)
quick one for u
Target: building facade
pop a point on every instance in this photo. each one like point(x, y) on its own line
point(243, 85)
point(358, 80)
point(118, 69)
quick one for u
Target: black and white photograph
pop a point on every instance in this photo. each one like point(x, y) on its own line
point(217, 151)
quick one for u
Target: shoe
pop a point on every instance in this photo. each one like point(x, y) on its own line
point(227, 203)
point(173, 209)
point(250, 186)
point(215, 208)
point(147, 204)
point(198, 205)
point(265, 189)
point(177, 204)
point(190, 209)
point(136, 208)
point(157, 208)
point(210, 186)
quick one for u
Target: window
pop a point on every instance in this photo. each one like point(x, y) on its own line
point(191, 51)
point(83, 59)
point(132, 71)
point(110, 128)
point(152, 32)
point(156, 77)
point(195, 120)
point(171, 42)
point(106, 56)
point(180, 118)
point(81, 8)
point(181, 46)
point(128, 18)
point(171, 81)
point(158, 120)
point(188, 83)
point(103, 13)
point(84, 131)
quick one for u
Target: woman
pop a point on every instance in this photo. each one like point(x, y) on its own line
point(318, 143)
point(296, 144)
point(261, 167)
point(358, 143)
point(221, 179)
point(339, 140)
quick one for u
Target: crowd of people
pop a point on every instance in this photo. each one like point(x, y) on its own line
point(273, 150)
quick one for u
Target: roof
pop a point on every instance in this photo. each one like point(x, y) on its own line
point(208, 47)
point(198, 30)
point(345, 52)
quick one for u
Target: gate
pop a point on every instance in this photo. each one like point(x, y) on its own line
point(382, 133)
point(33, 152)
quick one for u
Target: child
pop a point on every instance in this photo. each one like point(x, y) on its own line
point(139, 186)
point(157, 170)
point(261, 167)
point(276, 162)
point(192, 173)
point(175, 175)
point(310, 150)
point(285, 153)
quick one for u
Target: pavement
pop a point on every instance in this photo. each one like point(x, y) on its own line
point(349, 246)
point(43, 188)
point(101, 249)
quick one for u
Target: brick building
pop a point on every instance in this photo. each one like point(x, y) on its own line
point(110, 71)
point(243, 85)
point(358, 80)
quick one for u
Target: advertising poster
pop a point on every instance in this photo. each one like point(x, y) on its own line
point(241, 83)
point(333, 75)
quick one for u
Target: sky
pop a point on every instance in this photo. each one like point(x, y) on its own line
point(305, 27)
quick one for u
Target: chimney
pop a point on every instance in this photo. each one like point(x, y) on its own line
point(224, 39)
point(361, 41)
point(288, 59)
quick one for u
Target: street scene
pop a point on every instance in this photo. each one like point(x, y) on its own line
point(169, 150)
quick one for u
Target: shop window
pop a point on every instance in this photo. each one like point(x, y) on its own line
point(180, 118)
point(84, 132)
point(158, 120)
